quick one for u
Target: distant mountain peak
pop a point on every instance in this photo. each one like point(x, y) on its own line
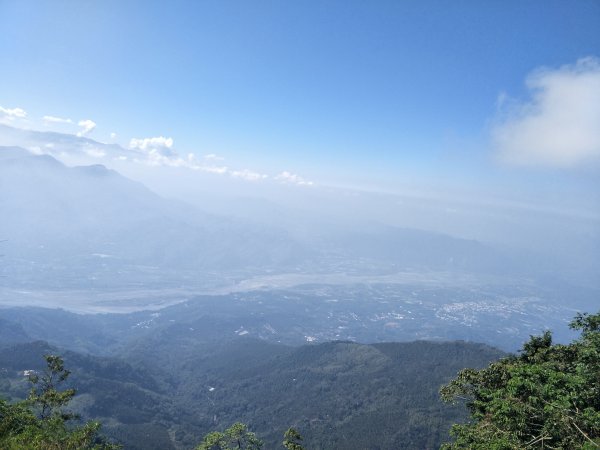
point(11, 152)
point(95, 170)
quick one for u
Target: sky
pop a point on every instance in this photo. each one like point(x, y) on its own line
point(503, 96)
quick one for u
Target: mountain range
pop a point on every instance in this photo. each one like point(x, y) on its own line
point(88, 226)
point(167, 390)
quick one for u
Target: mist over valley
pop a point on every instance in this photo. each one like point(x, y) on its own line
point(301, 225)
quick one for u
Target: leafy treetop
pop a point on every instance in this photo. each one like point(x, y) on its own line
point(39, 423)
point(235, 437)
point(238, 437)
point(546, 397)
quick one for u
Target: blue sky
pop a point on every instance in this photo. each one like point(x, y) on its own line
point(338, 91)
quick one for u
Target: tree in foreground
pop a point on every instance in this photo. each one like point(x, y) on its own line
point(44, 396)
point(546, 397)
point(41, 423)
point(292, 439)
point(235, 437)
point(238, 437)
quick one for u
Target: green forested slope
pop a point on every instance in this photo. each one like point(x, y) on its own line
point(169, 392)
point(546, 397)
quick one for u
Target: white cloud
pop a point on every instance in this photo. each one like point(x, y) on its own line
point(218, 170)
point(213, 157)
point(247, 175)
point(53, 119)
point(113, 135)
point(10, 114)
point(159, 151)
point(155, 158)
point(146, 144)
point(560, 125)
point(203, 166)
point(153, 151)
point(96, 153)
point(292, 178)
point(87, 126)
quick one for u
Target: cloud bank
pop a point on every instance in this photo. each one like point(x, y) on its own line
point(151, 151)
point(559, 126)
point(160, 151)
point(53, 119)
point(86, 127)
point(292, 178)
point(10, 114)
point(159, 143)
point(247, 175)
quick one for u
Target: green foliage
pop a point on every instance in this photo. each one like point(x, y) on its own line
point(39, 423)
point(547, 397)
point(235, 437)
point(292, 439)
point(339, 394)
point(44, 394)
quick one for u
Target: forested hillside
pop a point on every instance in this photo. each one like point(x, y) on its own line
point(338, 394)
point(546, 397)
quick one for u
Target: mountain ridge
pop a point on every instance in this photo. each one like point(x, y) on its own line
point(92, 210)
point(338, 394)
